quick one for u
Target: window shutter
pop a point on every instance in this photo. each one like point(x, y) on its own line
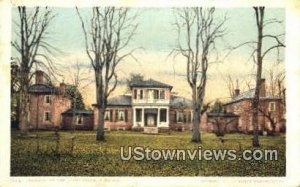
point(126, 115)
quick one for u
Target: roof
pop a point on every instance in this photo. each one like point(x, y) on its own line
point(76, 111)
point(249, 95)
point(122, 100)
point(42, 88)
point(177, 101)
point(226, 115)
point(150, 83)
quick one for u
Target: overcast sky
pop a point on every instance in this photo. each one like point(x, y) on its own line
point(156, 34)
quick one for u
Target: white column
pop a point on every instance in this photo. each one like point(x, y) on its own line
point(134, 116)
point(168, 117)
point(143, 117)
point(158, 117)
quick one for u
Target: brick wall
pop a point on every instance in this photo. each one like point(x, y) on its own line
point(243, 109)
point(87, 122)
point(37, 111)
point(113, 123)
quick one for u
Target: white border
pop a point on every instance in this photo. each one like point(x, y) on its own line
point(293, 103)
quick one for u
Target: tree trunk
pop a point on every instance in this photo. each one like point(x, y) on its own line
point(196, 137)
point(24, 109)
point(259, 58)
point(100, 129)
point(101, 103)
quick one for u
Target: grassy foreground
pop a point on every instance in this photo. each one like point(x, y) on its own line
point(91, 158)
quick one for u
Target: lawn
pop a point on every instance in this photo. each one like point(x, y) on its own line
point(91, 158)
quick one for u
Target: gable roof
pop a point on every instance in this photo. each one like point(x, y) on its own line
point(150, 83)
point(249, 95)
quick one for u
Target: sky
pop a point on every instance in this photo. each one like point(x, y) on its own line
point(156, 38)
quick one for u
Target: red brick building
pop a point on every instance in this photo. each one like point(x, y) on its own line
point(269, 106)
point(118, 115)
point(74, 119)
point(46, 103)
point(151, 104)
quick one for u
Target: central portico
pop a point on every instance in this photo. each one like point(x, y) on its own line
point(150, 104)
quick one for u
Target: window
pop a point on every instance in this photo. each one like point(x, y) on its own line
point(187, 117)
point(107, 115)
point(138, 114)
point(163, 115)
point(156, 94)
point(179, 117)
point(48, 99)
point(47, 116)
point(162, 94)
point(121, 115)
point(79, 120)
point(141, 94)
point(134, 93)
point(150, 94)
point(272, 106)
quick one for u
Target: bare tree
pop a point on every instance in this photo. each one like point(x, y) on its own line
point(271, 118)
point(230, 85)
point(109, 32)
point(198, 31)
point(34, 49)
point(259, 54)
point(80, 80)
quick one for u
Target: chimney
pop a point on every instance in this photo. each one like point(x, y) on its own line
point(262, 91)
point(236, 92)
point(62, 87)
point(39, 77)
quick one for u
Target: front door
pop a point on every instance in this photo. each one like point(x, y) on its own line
point(150, 120)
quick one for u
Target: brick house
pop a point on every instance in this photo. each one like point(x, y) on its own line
point(151, 104)
point(46, 103)
point(118, 114)
point(82, 119)
point(148, 106)
point(241, 103)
